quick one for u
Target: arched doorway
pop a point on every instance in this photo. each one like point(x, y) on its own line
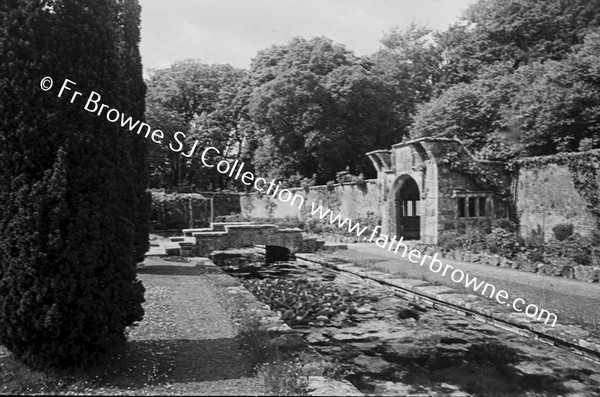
point(408, 210)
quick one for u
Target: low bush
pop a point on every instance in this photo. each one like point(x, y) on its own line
point(562, 231)
point(284, 378)
point(568, 248)
point(501, 241)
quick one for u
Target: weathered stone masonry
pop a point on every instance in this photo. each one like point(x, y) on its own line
point(545, 194)
point(430, 186)
point(423, 197)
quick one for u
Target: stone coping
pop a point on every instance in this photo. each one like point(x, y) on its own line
point(212, 224)
point(202, 229)
point(209, 234)
point(562, 335)
point(289, 230)
point(250, 226)
point(222, 225)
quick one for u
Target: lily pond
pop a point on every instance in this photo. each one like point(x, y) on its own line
point(388, 345)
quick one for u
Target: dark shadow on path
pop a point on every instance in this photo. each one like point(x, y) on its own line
point(169, 270)
point(155, 362)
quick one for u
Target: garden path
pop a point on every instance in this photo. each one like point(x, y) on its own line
point(570, 299)
point(186, 343)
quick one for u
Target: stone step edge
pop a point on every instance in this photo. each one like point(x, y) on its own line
point(584, 347)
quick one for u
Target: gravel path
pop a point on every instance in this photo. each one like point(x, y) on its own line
point(186, 344)
point(571, 300)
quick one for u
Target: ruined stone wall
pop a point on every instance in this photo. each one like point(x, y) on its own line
point(352, 201)
point(545, 196)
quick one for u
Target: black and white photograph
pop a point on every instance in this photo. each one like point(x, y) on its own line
point(300, 197)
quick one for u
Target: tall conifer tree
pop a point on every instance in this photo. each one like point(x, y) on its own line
point(71, 183)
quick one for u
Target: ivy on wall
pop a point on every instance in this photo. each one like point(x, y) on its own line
point(484, 177)
point(172, 210)
point(248, 203)
point(585, 171)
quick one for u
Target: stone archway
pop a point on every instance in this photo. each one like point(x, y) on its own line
point(407, 209)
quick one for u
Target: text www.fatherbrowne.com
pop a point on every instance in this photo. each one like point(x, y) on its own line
point(435, 265)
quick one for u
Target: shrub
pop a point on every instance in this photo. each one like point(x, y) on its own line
point(562, 231)
point(361, 181)
point(502, 242)
point(448, 241)
point(576, 249)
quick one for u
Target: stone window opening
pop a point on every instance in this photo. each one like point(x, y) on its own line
point(473, 205)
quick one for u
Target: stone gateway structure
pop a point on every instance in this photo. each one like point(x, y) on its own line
point(431, 186)
point(424, 192)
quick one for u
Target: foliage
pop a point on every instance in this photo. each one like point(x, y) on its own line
point(171, 210)
point(409, 64)
point(319, 108)
point(513, 89)
point(584, 168)
point(500, 239)
point(586, 178)
point(563, 231)
point(345, 177)
point(162, 196)
point(284, 378)
point(70, 182)
point(574, 250)
point(206, 102)
point(272, 358)
point(303, 301)
point(504, 241)
point(257, 341)
point(485, 177)
point(330, 186)
point(514, 31)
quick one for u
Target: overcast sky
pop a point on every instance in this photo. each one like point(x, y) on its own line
point(233, 31)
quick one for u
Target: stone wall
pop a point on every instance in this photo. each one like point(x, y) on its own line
point(224, 203)
point(545, 196)
point(350, 200)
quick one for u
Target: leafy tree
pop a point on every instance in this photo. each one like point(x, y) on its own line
point(559, 108)
point(472, 112)
point(538, 109)
point(410, 62)
point(68, 180)
point(514, 31)
point(201, 101)
point(318, 109)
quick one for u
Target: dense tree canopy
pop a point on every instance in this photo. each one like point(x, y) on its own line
point(318, 109)
point(511, 78)
point(526, 84)
point(204, 102)
point(513, 31)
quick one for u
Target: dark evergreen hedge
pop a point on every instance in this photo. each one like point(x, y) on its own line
point(73, 217)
